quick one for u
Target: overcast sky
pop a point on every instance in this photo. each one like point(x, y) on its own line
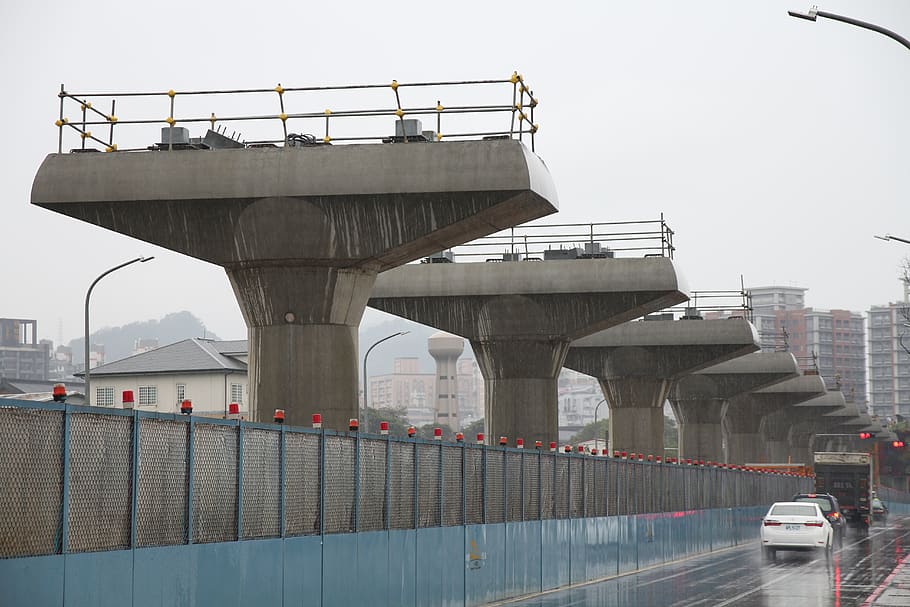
point(772, 145)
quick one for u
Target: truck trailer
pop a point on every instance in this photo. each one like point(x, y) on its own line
point(848, 477)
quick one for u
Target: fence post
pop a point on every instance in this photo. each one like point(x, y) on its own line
point(416, 486)
point(65, 522)
point(483, 463)
point(322, 482)
point(442, 488)
point(134, 498)
point(282, 490)
point(239, 480)
point(387, 521)
point(190, 473)
point(357, 482)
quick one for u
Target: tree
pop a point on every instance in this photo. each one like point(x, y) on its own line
point(592, 431)
point(474, 428)
point(397, 418)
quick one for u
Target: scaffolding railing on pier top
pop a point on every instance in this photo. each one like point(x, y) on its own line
point(298, 115)
point(562, 241)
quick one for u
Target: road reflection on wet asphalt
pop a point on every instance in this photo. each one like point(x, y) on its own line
point(738, 577)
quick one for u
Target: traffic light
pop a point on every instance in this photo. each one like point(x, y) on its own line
point(897, 444)
point(865, 435)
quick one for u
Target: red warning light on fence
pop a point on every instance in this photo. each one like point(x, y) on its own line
point(459, 437)
point(317, 420)
point(437, 433)
point(480, 438)
point(503, 441)
point(520, 443)
point(353, 424)
point(538, 444)
point(128, 400)
point(60, 393)
point(383, 428)
point(233, 411)
point(186, 407)
point(552, 446)
point(412, 431)
point(279, 416)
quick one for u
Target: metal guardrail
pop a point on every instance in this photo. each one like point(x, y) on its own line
point(80, 479)
point(542, 242)
point(281, 110)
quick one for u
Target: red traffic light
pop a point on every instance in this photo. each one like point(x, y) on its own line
point(897, 444)
point(865, 435)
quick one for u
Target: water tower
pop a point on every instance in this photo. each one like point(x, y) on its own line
point(445, 348)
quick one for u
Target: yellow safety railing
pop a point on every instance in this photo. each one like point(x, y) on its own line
point(81, 113)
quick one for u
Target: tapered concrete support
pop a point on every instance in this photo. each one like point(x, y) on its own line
point(699, 400)
point(776, 426)
point(801, 434)
point(637, 363)
point(700, 433)
point(302, 233)
point(521, 317)
point(636, 422)
point(746, 414)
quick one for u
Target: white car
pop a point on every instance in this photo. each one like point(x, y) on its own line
point(795, 526)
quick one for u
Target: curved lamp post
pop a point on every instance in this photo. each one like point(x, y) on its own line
point(366, 403)
point(602, 401)
point(88, 295)
point(814, 13)
point(892, 237)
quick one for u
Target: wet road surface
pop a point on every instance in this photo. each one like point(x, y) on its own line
point(738, 577)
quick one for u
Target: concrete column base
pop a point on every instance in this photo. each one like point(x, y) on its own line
point(304, 369)
point(700, 431)
point(778, 451)
point(521, 408)
point(637, 430)
point(303, 339)
point(745, 448)
point(636, 413)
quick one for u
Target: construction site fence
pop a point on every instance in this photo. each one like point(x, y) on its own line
point(83, 479)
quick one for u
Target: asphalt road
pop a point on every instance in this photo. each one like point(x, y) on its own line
point(737, 577)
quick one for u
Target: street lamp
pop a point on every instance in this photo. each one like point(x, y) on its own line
point(891, 237)
point(814, 12)
point(88, 295)
point(596, 407)
point(366, 404)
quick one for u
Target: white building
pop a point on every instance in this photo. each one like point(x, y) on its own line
point(210, 373)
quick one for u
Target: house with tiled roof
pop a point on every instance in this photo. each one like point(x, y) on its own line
point(211, 374)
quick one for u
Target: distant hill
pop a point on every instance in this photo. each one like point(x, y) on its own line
point(119, 341)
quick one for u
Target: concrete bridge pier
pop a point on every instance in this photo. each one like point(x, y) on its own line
point(520, 386)
point(521, 316)
point(637, 363)
point(775, 427)
point(800, 437)
point(700, 400)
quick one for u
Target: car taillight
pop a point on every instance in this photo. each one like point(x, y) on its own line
point(834, 515)
point(771, 523)
point(815, 524)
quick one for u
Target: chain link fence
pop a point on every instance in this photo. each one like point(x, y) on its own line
point(68, 476)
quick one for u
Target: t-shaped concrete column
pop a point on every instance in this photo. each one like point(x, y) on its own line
point(302, 233)
point(801, 434)
point(776, 426)
point(700, 400)
point(637, 362)
point(521, 317)
point(744, 415)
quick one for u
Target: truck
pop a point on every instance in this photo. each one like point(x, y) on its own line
point(848, 477)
